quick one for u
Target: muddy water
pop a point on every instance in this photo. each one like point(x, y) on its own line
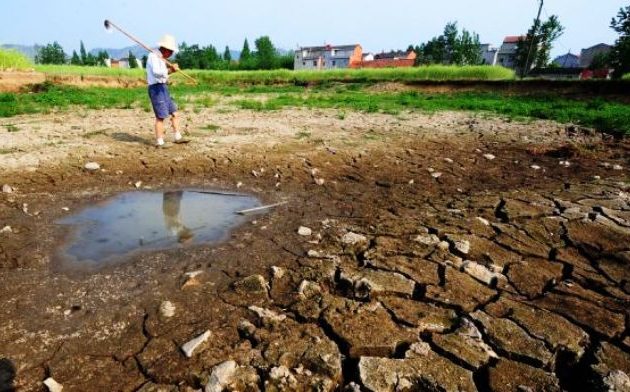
point(112, 230)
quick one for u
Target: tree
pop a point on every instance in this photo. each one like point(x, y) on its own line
point(227, 55)
point(534, 49)
point(450, 48)
point(266, 55)
point(101, 57)
point(84, 58)
point(75, 60)
point(620, 55)
point(133, 63)
point(51, 54)
point(245, 61)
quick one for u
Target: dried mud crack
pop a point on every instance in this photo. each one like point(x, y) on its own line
point(377, 275)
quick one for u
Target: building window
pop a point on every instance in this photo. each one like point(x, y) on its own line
point(334, 63)
point(314, 63)
point(304, 63)
point(332, 52)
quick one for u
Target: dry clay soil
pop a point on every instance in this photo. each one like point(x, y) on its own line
point(431, 265)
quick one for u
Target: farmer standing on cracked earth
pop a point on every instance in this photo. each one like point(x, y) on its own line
point(157, 78)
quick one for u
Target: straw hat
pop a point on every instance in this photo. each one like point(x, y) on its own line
point(168, 42)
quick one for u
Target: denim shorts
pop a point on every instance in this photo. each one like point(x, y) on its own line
point(163, 105)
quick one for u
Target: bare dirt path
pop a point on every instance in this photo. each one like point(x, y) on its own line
point(447, 252)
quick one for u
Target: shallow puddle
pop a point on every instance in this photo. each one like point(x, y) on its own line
point(113, 229)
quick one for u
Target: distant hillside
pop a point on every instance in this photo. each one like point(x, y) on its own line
point(137, 51)
point(28, 51)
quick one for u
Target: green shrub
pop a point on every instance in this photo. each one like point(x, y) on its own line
point(12, 59)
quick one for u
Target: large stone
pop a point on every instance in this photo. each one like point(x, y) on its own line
point(617, 267)
point(368, 283)
point(510, 376)
point(255, 284)
point(510, 338)
point(555, 330)
point(355, 323)
point(426, 317)
point(92, 166)
point(420, 270)
point(430, 372)
point(467, 345)
point(460, 290)
point(532, 276)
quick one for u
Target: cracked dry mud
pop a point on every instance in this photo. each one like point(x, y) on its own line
point(493, 276)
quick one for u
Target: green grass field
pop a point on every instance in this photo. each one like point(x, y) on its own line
point(609, 116)
point(11, 59)
point(433, 72)
point(626, 76)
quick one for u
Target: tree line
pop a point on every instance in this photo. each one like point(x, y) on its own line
point(264, 56)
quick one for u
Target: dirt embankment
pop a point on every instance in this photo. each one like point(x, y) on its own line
point(19, 81)
point(447, 252)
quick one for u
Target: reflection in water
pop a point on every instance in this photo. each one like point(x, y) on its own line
point(134, 221)
point(170, 207)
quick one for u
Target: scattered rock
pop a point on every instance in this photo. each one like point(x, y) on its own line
point(482, 273)
point(189, 347)
point(535, 167)
point(228, 376)
point(52, 385)
point(436, 175)
point(167, 309)
point(483, 221)
point(351, 238)
point(6, 188)
point(268, 317)
point(462, 246)
point(191, 279)
point(448, 160)
point(489, 157)
point(304, 231)
point(427, 239)
point(246, 329)
point(92, 166)
point(367, 283)
point(138, 184)
point(319, 181)
point(6, 229)
point(308, 289)
point(617, 167)
point(255, 284)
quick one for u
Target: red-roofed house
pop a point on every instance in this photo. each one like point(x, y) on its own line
point(507, 53)
point(394, 59)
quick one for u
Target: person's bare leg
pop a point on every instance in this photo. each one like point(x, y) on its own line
point(175, 124)
point(159, 131)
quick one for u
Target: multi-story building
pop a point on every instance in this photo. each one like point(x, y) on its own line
point(328, 57)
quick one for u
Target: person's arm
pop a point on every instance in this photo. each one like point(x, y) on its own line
point(157, 66)
point(174, 67)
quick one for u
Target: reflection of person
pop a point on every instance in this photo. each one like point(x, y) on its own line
point(170, 207)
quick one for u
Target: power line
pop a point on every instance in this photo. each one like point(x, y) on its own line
point(533, 38)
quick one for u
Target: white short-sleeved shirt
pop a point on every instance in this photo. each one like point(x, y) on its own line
point(157, 72)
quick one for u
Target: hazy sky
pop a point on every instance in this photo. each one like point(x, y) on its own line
point(375, 24)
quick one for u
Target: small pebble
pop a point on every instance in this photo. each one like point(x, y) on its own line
point(6, 229)
point(304, 231)
point(535, 167)
point(91, 166)
point(489, 157)
point(6, 188)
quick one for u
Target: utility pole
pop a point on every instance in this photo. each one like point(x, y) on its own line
point(526, 67)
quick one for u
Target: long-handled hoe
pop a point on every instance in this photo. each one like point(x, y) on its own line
point(110, 25)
